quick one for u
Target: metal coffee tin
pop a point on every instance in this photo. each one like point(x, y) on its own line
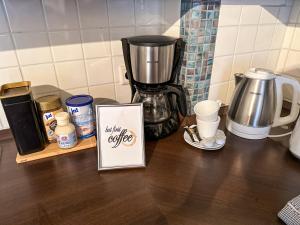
point(22, 116)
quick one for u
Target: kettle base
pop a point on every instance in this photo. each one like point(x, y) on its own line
point(295, 154)
point(247, 132)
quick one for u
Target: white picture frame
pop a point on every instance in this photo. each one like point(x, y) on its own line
point(120, 136)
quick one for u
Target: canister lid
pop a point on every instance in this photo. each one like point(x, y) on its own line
point(48, 102)
point(79, 100)
point(151, 40)
point(16, 89)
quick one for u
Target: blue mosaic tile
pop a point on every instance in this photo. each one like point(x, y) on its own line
point(189, 78)
point(189, 85)
point(197, 78)
point(206, 95)
point(191, 64)
point(198, 28)
point(194, 98)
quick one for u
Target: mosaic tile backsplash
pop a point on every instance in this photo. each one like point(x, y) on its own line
point(198, 28)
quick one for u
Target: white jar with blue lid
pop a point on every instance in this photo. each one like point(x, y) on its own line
point(80, 108)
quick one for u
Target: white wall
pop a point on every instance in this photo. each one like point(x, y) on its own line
point(251, 34)
point(289, 59)
point(74, 44)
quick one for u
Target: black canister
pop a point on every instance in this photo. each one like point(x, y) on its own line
point(22, 116)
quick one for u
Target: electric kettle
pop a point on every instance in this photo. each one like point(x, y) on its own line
point(257, 103)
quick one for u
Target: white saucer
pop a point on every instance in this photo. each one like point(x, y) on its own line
point(201, 145)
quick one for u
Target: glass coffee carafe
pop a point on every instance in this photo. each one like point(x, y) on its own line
point(156, 106)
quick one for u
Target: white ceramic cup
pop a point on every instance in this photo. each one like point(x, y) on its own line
point(207, 129)
point(207, 110)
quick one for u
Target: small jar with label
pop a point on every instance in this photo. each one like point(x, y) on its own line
point(65, 131)
point(49, 106)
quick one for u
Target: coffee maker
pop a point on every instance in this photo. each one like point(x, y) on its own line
point(153, 65)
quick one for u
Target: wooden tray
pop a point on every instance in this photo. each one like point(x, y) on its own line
point(53, 150)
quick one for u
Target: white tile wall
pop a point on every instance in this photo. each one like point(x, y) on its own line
point(241, 63)
point(61, 14)
point(172, 11)
point(3, 21)
point(269, 15)
point(103, 91)
point(230, 15)
point(149, 12)
point(251, 34)
point(116, 34)
point(25, 16)
point(121, 13)
point(289, 56)
point(222, 69)
point(75, 44)
point(250, 14)
point(27, 54)
point(294, 16)
point(71, 74)
point(96, 43)
point(12, 74)
point(247, 34)
point(66, 45)
point(99, 71)
point(92, 13)
point(7, 54)
point(226, 40)
point(40, 74)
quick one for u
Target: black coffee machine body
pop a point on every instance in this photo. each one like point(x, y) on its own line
point(153, 65)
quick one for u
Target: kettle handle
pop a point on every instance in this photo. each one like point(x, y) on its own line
point(280, 80)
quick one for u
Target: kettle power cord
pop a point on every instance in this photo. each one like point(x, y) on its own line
point(280, 135)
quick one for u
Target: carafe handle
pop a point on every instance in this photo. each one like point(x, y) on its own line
point(280, 80)
point(178, 57)
point(180, 97)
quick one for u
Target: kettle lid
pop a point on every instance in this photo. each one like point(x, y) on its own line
point(260, 73)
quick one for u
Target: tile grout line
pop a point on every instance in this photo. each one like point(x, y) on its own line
point(270, 48)
point(234, 53)
point(93, 85)
point(293, 33)
point(110, 47)
point(81, 44)
point(12, 39)
point(287, 49)
point(62, 61)
point(76, 29)
point(50, 44)
point(257, 27)
point(277, 26)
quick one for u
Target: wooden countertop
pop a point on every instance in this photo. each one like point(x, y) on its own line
point(247, 183)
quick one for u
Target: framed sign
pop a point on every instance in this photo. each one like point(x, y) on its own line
point(120, 136)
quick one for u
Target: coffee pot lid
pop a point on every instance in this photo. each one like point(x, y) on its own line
point(260, 73)
point(151, 40)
